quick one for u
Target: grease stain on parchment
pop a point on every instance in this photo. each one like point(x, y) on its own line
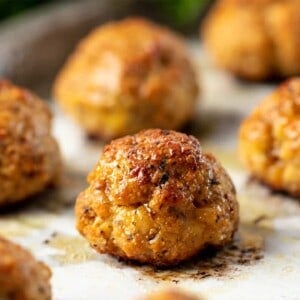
point(22, 224)
point(73, 249)
point(246, 249)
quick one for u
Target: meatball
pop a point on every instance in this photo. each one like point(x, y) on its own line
point(156, 198)
point(171, 295)
point(126, 76)
point(21, 276)
point(269, 139)
point(29, 155)
point(255, 39)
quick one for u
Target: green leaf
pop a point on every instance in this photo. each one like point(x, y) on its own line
point(182, 12)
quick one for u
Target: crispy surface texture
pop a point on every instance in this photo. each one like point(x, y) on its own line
point(29, 155)
point(171, 295)
point(156, 198)
point(21, 276)
point(269, 139)
point(255, 39)
point(126, 76)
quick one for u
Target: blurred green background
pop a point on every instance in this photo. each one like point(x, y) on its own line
point(180, 13)
point(12, 7)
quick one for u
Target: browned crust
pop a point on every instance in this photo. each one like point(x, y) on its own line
point(257, 39)
point(171, 294)
point(21, 276)
point(126, 76)
point(155, 197)
point(29, 155)
point(269, 139)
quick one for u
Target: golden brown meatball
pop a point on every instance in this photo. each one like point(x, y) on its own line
point(255, 39)
point(269, 139)
point(171, 295)
point(21, 276)
point(126, 76)
point(156, 198)
point(29, 155)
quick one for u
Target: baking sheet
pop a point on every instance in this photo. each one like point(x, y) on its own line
point(262, 263)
